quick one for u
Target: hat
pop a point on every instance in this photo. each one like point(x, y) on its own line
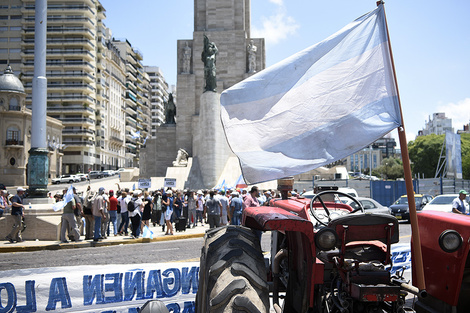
point(137, 192)
point(199, 192)
point(20, 189)
point(101, 190)
point(169, 191)
point(111, 191)
point(463, 191)
point(235, 194)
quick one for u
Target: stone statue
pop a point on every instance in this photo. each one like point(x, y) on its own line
point(170, 110)
point(181, 158)
point(252, 57)
point(208, 56)
point(186, 59)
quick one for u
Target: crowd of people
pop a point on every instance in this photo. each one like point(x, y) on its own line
point(102, 213)
point(128, 212)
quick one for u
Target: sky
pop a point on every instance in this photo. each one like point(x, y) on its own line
point(430, 43)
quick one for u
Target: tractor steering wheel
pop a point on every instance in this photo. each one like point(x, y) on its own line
point(319, 195)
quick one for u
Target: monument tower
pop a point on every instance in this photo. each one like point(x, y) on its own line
point(198, 131)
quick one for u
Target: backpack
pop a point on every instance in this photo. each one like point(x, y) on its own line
point(131, 206)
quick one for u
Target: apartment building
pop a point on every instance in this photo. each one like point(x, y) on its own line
point(437, 124)
point(158, 97)
point(97, 86)
point(137, 102)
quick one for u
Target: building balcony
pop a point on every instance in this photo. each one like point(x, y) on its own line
point(13, 143)
point(116, 139)
point(68, 64)
point(65, 31)
point(85, 54)
point(77, 120)
point(58, 97)
point(67, 75)
point(78, 142)
point(74, 109)
point(68, 87)
point(51, 20)
point(131, 120)
point(78, 132)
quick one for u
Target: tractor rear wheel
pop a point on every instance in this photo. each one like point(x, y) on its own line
point(232, 273)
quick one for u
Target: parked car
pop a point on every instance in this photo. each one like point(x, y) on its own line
point(107, 173)
point(442, 203)
point(369, 205)
point(347, 190)
point(400, 208)
point(66, 179)
point(95, 174)
point(82, 176)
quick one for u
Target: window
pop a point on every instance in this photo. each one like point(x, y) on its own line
point(14, 104)
point(15, 28)
point(13, 136)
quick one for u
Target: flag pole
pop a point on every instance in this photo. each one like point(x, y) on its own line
point(417, 255)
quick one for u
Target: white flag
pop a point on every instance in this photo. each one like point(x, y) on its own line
point(315, 107)
point(67, 198)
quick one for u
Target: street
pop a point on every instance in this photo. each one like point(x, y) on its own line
point(185, 250)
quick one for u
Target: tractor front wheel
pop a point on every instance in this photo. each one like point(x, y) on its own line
point(232, 273)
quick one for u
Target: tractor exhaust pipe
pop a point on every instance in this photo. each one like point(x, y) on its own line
point(284, 185)
point(410, 288)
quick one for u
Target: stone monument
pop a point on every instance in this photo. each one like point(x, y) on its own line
point(198, 130)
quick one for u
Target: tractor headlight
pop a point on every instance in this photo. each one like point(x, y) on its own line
point(450, 241)
point(326, 239)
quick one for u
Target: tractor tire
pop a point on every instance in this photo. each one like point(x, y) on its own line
point(232, 273)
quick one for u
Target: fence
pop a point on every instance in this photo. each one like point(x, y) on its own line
point(386, 192)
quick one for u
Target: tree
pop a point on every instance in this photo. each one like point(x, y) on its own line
point(425, 151)
point(390, 168)
point(424, 154)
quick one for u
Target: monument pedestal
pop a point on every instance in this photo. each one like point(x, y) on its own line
point(38, 169)
point(213, 151)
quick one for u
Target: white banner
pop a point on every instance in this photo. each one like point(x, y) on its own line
point(98, 288)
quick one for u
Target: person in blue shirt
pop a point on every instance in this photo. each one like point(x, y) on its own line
point(236, 209)
point(17, 212)
point(460, 204)
point(168, 202)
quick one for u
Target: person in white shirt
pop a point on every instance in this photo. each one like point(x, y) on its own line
point(224, 202)
point(200, 207)
point(123, 199)
point(135, 215)
point(460, 204)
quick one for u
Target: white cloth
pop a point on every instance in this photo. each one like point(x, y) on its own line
point(318, 106)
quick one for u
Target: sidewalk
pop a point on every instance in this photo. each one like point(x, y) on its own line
point(158, 235)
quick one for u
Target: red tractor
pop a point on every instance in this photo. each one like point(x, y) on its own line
point(325, 257)
point(445, 244)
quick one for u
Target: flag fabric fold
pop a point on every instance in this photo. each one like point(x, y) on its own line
point(315, 107)
point(240, 183)
point(67, 198)
point(147, 233)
